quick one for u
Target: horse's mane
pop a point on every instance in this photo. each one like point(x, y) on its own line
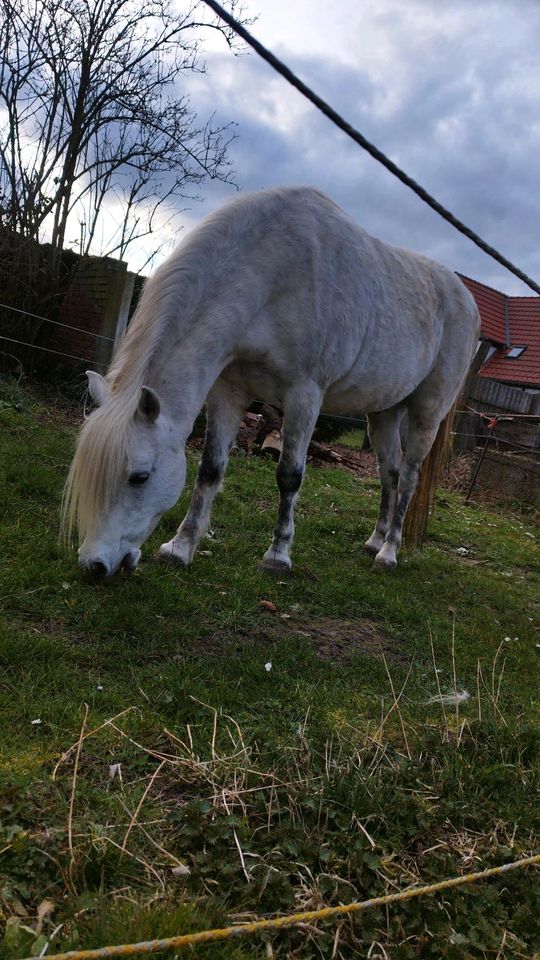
point(167, 307)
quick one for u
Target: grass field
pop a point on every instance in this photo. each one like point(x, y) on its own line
point(175, 755)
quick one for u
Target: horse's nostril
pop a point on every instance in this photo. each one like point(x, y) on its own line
point(127, 564)
point(97, 569)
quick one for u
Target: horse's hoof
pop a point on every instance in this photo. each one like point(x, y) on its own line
point(371, 549)
point(166, 554)
point(382, 565)
point(276, 567)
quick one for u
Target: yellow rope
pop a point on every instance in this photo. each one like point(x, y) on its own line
point(246, 929)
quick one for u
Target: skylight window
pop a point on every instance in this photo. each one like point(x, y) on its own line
point(514, 353)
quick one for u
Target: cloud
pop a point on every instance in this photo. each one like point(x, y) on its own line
point(448, 91)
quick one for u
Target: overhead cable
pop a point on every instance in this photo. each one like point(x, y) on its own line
point(358, 138)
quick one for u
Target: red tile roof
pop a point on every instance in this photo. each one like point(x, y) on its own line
point(523, 314)
point(491, 304)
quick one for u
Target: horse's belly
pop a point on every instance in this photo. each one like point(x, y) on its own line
point(365, 397)
point(381, 378)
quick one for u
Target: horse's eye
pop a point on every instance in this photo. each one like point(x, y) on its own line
point(135, 479)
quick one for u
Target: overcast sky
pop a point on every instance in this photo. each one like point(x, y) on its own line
point(448, 89)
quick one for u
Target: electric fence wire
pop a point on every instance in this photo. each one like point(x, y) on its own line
point(59, 353)
point(57, 323)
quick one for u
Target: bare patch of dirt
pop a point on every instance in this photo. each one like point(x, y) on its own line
point(331, 638)
point(458, 478)
point(363, 463)
point(458, 473)
point(336, 639)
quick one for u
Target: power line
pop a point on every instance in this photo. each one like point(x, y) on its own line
point(67, 326)
point(358, 138)
point(34, 346)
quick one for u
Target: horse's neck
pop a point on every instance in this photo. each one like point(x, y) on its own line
point(185, 379)
point(189, 349)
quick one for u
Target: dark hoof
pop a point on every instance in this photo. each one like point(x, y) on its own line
point(371, 550)
point(277, 568)
point(169, 559)
point(384, 566)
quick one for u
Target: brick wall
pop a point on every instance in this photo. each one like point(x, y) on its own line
point(92, 303)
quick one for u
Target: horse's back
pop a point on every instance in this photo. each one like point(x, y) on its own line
point(367, 320)
point(289, 287)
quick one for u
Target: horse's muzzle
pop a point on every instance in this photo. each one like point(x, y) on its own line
point(97, 570)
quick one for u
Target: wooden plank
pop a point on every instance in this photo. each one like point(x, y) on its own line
point(498, 397)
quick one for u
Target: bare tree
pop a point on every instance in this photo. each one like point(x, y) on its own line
point(91, 107)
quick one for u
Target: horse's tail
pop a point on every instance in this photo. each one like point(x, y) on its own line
point(421, 505)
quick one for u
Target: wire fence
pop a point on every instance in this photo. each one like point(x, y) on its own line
point(496, 440)
point(57, 323)
point(488, 422)
point(58, 353)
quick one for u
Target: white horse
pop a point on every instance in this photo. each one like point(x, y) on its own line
point(278, 296)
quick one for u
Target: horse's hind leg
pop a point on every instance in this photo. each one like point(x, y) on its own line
point(225, 407)
point(383, 429)
point(301, 409)
point(422, 432)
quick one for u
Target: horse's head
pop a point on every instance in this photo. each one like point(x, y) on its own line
point(129, 468)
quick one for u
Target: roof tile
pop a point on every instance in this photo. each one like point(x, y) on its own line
point(491, 306)
point(524, 324)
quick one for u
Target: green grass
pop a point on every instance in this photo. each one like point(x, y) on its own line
point(352, 438)
point(333, 777)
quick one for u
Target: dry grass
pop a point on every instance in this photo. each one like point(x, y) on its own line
point(222, 769)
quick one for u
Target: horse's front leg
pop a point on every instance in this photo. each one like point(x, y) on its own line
point(300, 416)
point(225, 407)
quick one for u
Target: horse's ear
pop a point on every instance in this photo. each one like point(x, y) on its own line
point(149, 405)
point(98, 387)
